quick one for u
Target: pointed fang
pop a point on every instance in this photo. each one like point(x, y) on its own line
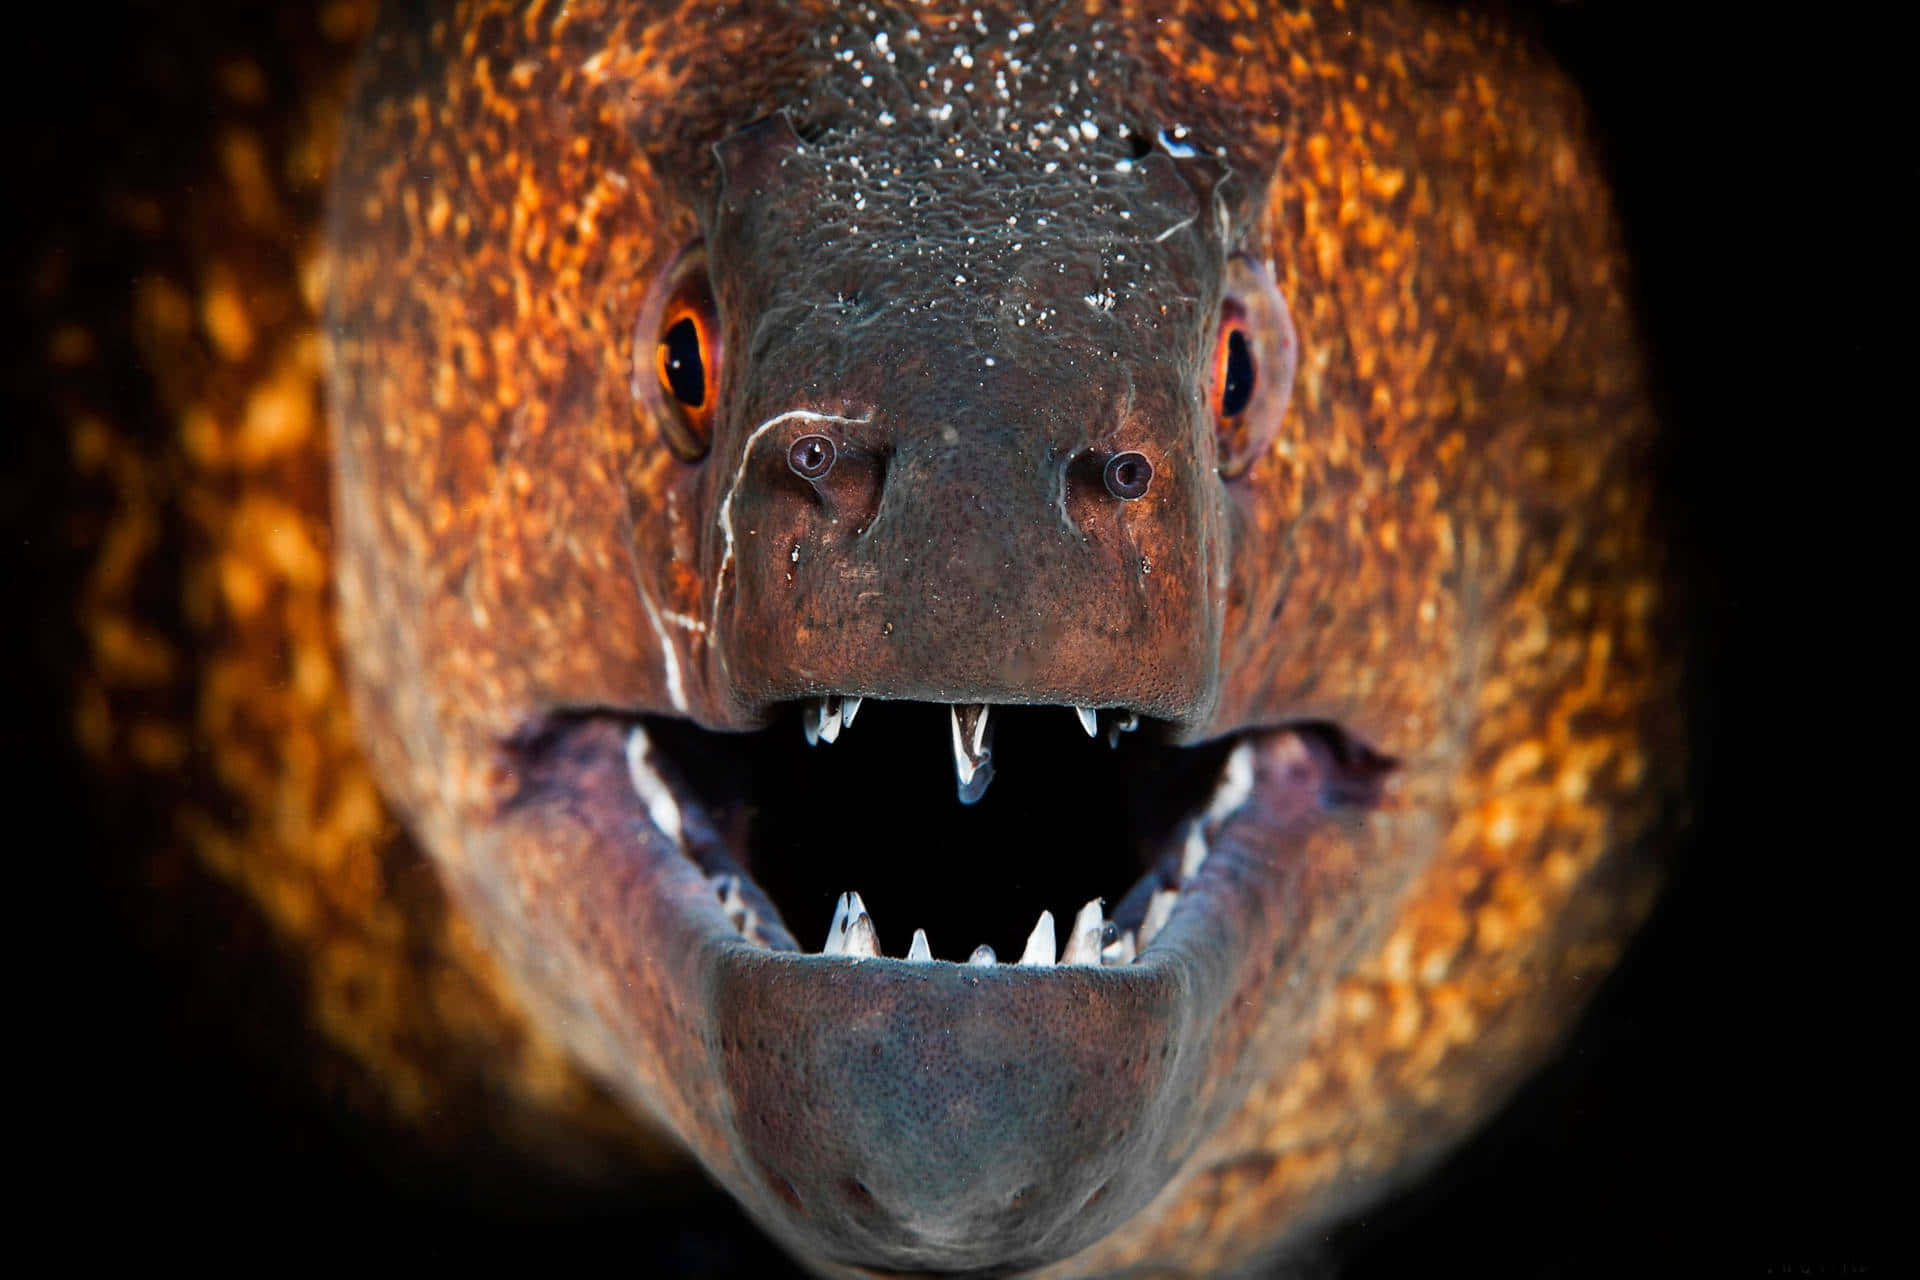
point(731, 900)
point(972, 750)
point(1088, 721)
point(1193, 853)
point(829, 719)
point(837, 931)
point(1236, 784)
point(862, 941)
point(919, 950)
point(1083, 940)
point(844, 912)
point(849, 708)
point(1040, 944)
point(1159, 907)
point(652, 789)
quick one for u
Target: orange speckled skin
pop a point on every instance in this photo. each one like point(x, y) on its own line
point(1448, 549)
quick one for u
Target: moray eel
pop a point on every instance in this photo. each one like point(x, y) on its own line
point(816, 487)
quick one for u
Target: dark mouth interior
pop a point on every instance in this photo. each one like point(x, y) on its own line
point(1066, 819)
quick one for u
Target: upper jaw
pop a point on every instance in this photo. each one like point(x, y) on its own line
point(864, 651)
point(880, 1112)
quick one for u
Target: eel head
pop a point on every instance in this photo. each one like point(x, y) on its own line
point(814, 500)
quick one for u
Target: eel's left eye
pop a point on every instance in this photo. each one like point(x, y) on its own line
point(683, 361)
point(678, 387)
point(683, 366)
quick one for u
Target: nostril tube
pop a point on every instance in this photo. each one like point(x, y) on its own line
point(811, 457)
point(1128, 475)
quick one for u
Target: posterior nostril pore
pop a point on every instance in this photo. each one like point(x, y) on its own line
point(811, 457)
point(1128, 475)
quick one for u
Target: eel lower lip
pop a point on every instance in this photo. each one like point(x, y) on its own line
point(923, 1114)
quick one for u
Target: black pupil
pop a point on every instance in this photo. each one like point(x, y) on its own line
point(686, 371)
point(1237, 387)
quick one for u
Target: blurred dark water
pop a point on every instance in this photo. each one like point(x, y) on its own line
point(1713, 1109)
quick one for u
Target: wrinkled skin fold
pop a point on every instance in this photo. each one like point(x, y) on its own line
point(1427, 608)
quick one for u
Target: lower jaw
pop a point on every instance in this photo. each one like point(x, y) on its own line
point(908, 1114)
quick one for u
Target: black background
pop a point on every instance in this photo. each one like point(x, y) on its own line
point(1718, 1107)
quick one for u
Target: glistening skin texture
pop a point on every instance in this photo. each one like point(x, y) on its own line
point(1444, 551)
point(918, 250)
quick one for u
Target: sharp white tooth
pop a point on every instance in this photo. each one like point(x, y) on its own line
point(1088, 721)
point(1040, 945)
point(919, 950)
point(829, 719)
point(730, 900)
point(652, 789)
point(1193, 853)
point(810, 723)
point(983, 954)
point(1119, 951)
point(962, 764)
point(1083, 939)
point(844, 911)
point(1122, 722)
point(861, 939)
point(1159, 907)
point(1236, 784)
point(972, 756)
point(849, 708)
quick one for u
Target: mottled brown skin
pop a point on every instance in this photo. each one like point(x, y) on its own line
point(1446, 551)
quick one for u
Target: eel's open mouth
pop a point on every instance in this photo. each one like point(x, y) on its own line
point(1075, 852)
point(954, 1033)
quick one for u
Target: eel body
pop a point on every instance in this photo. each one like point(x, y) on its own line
point(470, 574)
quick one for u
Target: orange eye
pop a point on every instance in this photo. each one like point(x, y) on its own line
point(681, 359)
point(1254, 356)
point(1234, 370)
point(680, 390)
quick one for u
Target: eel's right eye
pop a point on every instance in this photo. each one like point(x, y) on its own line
point(1254, 356)
point(685, 369)
point(1233, 377)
